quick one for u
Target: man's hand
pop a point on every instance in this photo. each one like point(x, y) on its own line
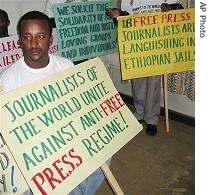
point(165, 7)
point(113, 12)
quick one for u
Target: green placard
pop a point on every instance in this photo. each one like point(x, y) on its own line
point(84, 31)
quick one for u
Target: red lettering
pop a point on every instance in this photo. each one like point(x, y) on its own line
point(8, 60)
point(39, 183)
point(53, 49)
point(58, 172)
point(8, 46)
point(119, 100)
point(142, 20)
point(104, 108)
point(170, 18)
point(50, 177)
point(112, 104)
point(60, 169)
point(145, 20)
point(75, 156)
point(68, 162)
point(117, 107)
point(188, 16)
point(164, 18)
point(135, 21)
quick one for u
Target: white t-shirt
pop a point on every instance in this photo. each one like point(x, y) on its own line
point(19, 74)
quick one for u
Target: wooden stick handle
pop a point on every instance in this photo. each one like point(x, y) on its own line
point(165, 87)
point(111, 180)
point(1, 88)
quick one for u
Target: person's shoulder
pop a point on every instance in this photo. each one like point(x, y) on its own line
point(8, 76)
point(11, 70)
point(61, 60)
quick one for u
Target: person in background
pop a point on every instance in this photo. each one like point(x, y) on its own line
point(114, 13)
point(146, 91)
point(4, 23)
point(35, 36)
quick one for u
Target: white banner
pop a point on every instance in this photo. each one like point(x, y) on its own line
point(137, 6)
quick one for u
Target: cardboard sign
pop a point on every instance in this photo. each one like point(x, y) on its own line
point(10, 51)
point(156, 43)
point(62, 128)
point(136, 7)
point(11, 179)
point(84, 31)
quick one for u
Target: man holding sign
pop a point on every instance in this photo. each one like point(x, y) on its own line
point(146, 90)
point(35, 38)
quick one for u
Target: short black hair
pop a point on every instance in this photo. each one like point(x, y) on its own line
point(3, 15)
point(34, 15)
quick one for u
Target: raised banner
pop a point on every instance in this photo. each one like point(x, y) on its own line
point(136, 7)
point(10, 51)
point(62, 128)
point(156, 43)
point(84, 31)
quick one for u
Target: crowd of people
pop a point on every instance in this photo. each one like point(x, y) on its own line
point(35, 37)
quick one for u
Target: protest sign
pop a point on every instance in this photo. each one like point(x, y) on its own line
point(156, 43)
point(136, 7)
point(10, 51)
point(11, 179)
point(54, 46)
point(62, 128)
point(84, 31)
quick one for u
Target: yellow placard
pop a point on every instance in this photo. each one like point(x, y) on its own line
point(156, 43)
point(65, 126)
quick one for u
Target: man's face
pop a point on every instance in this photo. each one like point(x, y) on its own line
point(35, 42)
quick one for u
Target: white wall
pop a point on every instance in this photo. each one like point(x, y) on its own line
point(16, 8)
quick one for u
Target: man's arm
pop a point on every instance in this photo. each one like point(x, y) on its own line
point(174, 6)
